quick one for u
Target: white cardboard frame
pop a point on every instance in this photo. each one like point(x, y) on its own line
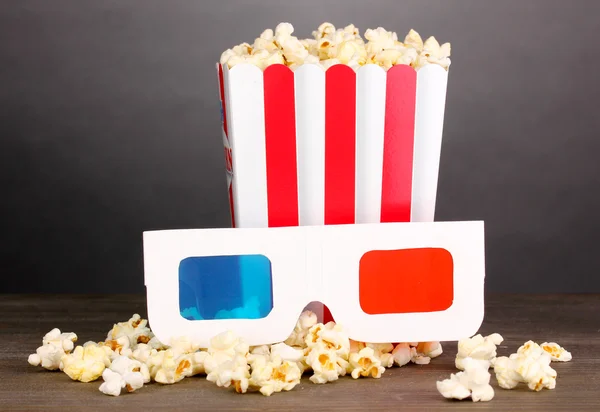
point(318, 263)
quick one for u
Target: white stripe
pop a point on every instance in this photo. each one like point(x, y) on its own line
point(244, 92)
point(429, 122)
point(310, 143)
point(370, 125)
point(309, 87)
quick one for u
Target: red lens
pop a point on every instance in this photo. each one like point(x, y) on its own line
point(405, 281)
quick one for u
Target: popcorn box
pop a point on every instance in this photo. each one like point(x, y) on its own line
point(314, 147)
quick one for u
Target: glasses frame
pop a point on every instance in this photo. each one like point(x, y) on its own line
point(318, 263)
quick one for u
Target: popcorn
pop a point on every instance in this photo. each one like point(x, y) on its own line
point(433, 53)
point(142, 352)
point(326, 364)
point(473, 382)
point(54, 346)
point(118, 346)
point(530, 365)
point(65, 341)
point(383, 351)
point(287, 353)
point(413, 39)
point(124, 373)
point(87, 362)
point(379, 39)
point(232, 372)
point(330, 46)
point(166, 368)
point(256, 352)
point(134, 329)
point(402, 354)
point(306, 321)
point(224, 347)
point(323, 30)
point(182, 345)
point(275, 375)
point(477, 347)
point(329, 336)
point(365, 363)
point(423, 352)
point(557, 353)
point(114, 382)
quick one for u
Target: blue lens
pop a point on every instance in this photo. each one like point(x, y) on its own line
point(225, 287)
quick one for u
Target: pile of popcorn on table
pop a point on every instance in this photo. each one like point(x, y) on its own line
point(131, 356)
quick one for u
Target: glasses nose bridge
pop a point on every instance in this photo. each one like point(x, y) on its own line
point(313, 265)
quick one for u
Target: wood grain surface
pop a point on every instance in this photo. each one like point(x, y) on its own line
point(571, 320)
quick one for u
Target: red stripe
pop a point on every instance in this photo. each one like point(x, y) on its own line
point(340, 132)
point(280, 137)
point(228, 163)
point(398, 144)
point(223, 104)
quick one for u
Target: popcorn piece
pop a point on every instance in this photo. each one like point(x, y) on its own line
point(65, 341)
point(134, 329)
point(329, 336)
point(114, 382)
point(530, 365)
point(365, 363)
point(142, 353)
point(224, 347)
point(556, 352)
point(229, 343)
point(473, 382)
point(232, 372)
point(47, 356)
point(54, 346)
point(124, 365)
point(433, 53)
point(166, 368)
point(351, 51)
point(119, 347)
point(263, 351)
point(326, 364)
point(477, 347)
point(275, 375)
point(379, 40)
point(287, 353)
point(423, 352)
point(87, 362)
point(323, 30)
point(306, 321)
point(183, 345)
point(266, 41)
point(402, 354)
point(414, 40)
point(124, 373)
point(383, 352)
point(197, 360)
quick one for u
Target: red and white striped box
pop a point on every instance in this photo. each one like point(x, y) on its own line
point(314, 147)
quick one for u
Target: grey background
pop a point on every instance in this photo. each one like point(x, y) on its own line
point(109, 125)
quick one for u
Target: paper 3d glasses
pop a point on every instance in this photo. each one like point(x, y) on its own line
point(385, 282)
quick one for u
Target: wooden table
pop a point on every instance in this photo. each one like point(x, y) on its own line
point(571, 320)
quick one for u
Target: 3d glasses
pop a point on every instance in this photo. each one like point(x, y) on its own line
point(383, 282)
